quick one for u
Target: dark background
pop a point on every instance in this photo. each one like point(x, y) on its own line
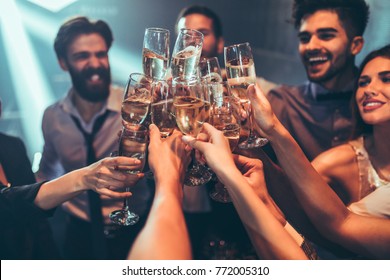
point(30, 78)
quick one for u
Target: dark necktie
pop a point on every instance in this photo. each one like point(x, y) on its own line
point(95, 207)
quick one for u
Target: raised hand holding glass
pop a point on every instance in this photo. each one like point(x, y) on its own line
point(192, 109)
point(240, 71)
point(133, 143)
point(223, 118)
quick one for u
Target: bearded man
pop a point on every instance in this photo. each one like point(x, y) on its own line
point(80, 129)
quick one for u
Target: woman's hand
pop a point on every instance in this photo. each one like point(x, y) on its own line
point(214, 147)
point(252, 170)
point(108, 175)
point(168, 158)
point(265, 119)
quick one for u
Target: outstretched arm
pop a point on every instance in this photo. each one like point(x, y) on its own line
point(249, 167)
point(267, 233)
point(165, 234)
point(363, 235)
point(339, 169)
point(103, 177)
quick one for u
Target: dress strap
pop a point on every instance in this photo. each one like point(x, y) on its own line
point(364, 165)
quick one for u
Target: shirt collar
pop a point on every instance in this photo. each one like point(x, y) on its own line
point(113, 103)
point(317, 92)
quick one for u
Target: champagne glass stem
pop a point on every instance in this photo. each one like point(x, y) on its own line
point(197, 174)
point(253, 140)
point(251, 135)
point(194, 162)
point(126, 200)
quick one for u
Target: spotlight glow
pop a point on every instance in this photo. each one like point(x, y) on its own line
point(122, 61)
point(30, 87)
point(53, 6)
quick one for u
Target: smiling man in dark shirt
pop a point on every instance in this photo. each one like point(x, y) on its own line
point(317, 113)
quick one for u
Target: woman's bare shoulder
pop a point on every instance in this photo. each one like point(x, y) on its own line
point(342, 156)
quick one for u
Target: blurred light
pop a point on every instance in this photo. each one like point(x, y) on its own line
point(35, 162)
point(39, 25)
point(53, 6)
point(122, 61)
point(30, 86)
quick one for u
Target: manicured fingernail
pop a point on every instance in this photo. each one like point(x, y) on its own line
point(187, 138)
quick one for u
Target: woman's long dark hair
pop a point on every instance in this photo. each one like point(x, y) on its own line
point(359, 126)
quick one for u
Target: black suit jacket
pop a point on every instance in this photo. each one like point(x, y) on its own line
point(26, 235)
point(14, 160)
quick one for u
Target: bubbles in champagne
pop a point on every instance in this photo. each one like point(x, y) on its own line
point(185, 62)
point(216, 92)
point(191, 113)
point(238, 69)
point(154, 65)
point(232, 133)
point(239, 90)
point(135, 110)
point(134, 148)
point(240, 75)
point(163, 117)
point(212, 78)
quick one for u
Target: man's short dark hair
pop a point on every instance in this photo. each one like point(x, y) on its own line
point(203, 10)
point(76, 26)
point(352, 13)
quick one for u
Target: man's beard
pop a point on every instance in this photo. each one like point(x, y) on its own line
point(91, 93)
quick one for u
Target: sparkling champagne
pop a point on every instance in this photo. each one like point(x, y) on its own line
point(240, 77)
point(221, 116)
point(185, 63)
point(236, 69)
point(216, 92)
point(135, 110)
point(154, 65)
point(212, 78)
point(238, 87)
point(191, 113)
point(134, 148)
point(163, 117)
point(223, 120)
point(232, 133)
point(243, 105)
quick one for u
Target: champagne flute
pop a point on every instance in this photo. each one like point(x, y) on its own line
point(192, 109)
point(223, 118)
point(133, 143)
point(162, 108)
point(136, 100)
point(186, 53)
point(240, 71)
point(209, 70)
point(155, 52)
